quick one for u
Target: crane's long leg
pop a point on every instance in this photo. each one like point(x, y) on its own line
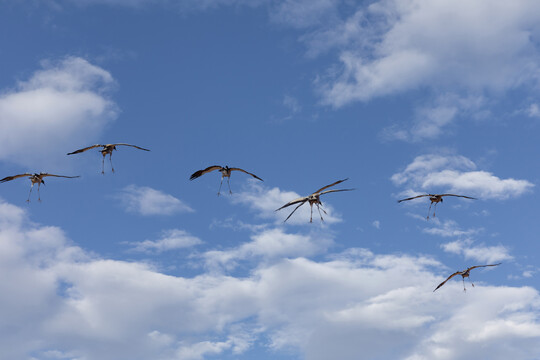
point(39, 196)
point(434, 209)
point(31, 187)
point(311, 216)
point(103, 165)
point(464, 290)
point(429, 211)
point(319, 208)
point(221, 183)
point(228, 183)
point(110, 159)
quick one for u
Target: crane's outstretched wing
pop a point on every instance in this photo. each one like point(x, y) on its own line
point(84, 149)
point(327, 186)
point(336, 190)
point(63, 176)
point(448, 278)
point(199, 173)
point(292, 202)
point(135, 146)
point(244, 171)
point(463, 196)
point(414, 197)
point(477, 266)
point(9, 178)
point(296, 208)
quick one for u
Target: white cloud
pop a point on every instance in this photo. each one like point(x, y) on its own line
point(265, 201)
point(450, 228)
point(402, 48)
point(481, 253)
point(171, 240)
point(59, 301)
point(457, 174)
point(376, 224)
point(147, 201)
point(57, 109)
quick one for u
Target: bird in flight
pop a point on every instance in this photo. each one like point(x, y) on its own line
point(435, 198)
point(313, 199)
point(464, 274)
point(225, 173)
point(35, 179)
point(106, 149)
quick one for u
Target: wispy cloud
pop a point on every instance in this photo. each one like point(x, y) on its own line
point(482, 253)
point(455, 173)
point(60, 107)
point(173, 239)
point(146, 201)
point(450, 228)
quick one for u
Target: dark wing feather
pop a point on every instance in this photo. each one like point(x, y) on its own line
point(9, 178)
point(477, 266)
point(63, 176)
point(135, 146)
point(199, 173)
point(296, 208)
point(84, 149)
point(247, 172)
point(463, 196)
point(336, 190)
point(448, 278)
point(327, 186)
point(414, 197)
point(292, 202)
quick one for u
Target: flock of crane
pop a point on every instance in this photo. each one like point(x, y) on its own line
point(312, 199)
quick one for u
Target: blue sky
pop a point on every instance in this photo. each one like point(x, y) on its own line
point(402, 97)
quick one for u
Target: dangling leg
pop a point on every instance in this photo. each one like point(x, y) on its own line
point(103, 165)
point(319, 208)
point(110, 158)
point(311, 216)
point(31, 187)
point(39, 196)
point(463, 279)
point(471, 282)
point(434, 209)
point(228, 183)
point(221, 183)
point(429, 211)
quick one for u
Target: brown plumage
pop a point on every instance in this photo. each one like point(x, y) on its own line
point(464, 274)
point(435, 198)
point(314, 198)
point(106, 149)
point(35, 179)
point(225, 173)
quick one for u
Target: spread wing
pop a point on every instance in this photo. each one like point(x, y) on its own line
point(292, 202)
point(327, 186)
point(463, 196)
point(331, 191)
point(63, 176)
point(414, 197)
point(296, 208)
point(84, 149)
point(244, 171)
point(9, 178)
point(477, 266)
point(198, 173)
point(448, 278)
point(135, 146)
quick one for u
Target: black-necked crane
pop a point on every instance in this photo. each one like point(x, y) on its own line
point(106, 149)
point(464, 274)
point(435, 198)
point(225, 173)
point(35, 179)
point(314, 198)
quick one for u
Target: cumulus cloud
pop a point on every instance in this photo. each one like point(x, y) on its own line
point(174, 239)
point(455, 173)
point(402, 48)
point(59, 301)
point(60, 107)
point(146, 201)
point(481, 253)
point(265, 201)
point(450, 228)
